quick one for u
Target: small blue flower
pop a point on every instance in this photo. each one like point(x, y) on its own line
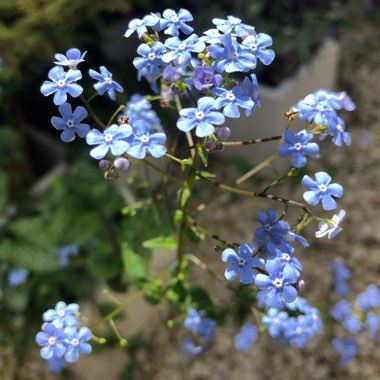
point(241, 265)
point(258, 46)
point(211, 36)
point(173, 22)
point(51, 339)
point(145, 139)
point(203, 118)
point(189, 348)
point(106, 83)
point(150, 60)
point(17, 277)
point(180, 51)
point(139, 108)
point(230, 100)
point(113, 138)
point(321, 190)
point(172, 74)
point(197, 323)
point(76, 343)
point(231, 57)
point(274, 321)
point(372, 323)
point(204, 78)
point(233, 24)
point(298, 146)
point(278, 284)
point(70, 122)
point(368, 299)
point(72, 58)
point(331, 227)
point(63, 315)
point(56, 364)
point(285, 255)
point(251, 89)
point(65, 252)
point(341, 275)
point(139, 26)
point(246, 337)
point(337, 130)
point(337, 100)
point(61, 84)
point(341, 310)
point(346, 348)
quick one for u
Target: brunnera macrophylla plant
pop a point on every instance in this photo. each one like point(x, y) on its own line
point(204, 80)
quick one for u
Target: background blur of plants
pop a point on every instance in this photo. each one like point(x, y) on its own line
point(74, 205)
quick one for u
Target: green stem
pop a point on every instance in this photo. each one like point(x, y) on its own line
point(120, 109)
point(92, 113)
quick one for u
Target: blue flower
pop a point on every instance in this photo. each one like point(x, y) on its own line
point(341, 310)
point(56, 364)
point(197, 323)
point(202, 118)
point(61, 84)
point(274, 321)
point(284, 254)
point(258, 46)
point(346, 348)
point(76, 343)
point(337, 130)
point(17, 276)
point(341, 275)
point(139, 26)
point(151, 58)
point(65, 252)
point(372, 323)
point(70, 122)
point(230, 100)
point(173, 22)
point(211, 36)
point(298, 146)
point(106, 83)
point(139, 108)
point(180, 51)
point(246, 337)
point(251, 89)
point(233, 24)
point(321, 189)
point(72, 58)
point(241, 265)
point(277, 285)
point(231, 57)
point(189, 348)
point(172, 74)
point(204, 78)
point(51, 339)
point(331, 227)
point(63, 315)
point(113, 138)
point(145, 139)
point(337, 100)
point(369, 298)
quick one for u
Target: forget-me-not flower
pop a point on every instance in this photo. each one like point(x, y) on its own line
point(51, 340)
point(113, 138)
point(204, 78)
point(72, 58)
point(331, 227)
point(63, 315)
point(17, 276)
point(139, 108)
point(337, 130)
point(251, 88)
point(140, 26)
point(76, 343)
point(71, 122)
point(258, 45)
point(106, 83)
point(297, 146)
point(233, 24)
point(246, 337)
point(203, 118)
point(61, 84)
point(173, 22)
point(321, 190)
point(151, 58)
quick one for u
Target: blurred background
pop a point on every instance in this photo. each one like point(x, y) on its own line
point(55, 204)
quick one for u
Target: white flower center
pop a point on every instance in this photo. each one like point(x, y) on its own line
point(339, 128)
point(267, 227)
point(241, 262)
point(108, 138)
point(199, 115)
point(175, 19)
point(52, 341)
point(108, 80)
point(277, 283)
point(254, 47)
point(320, 108)
point(75, 342)
point(285, 256)
point(208, 79)
point(299, 330)
point(70, 124)
point(182, 46)
point(276, 321)
point(144, 139)
point(151, 56)
point(297, 146)
point(61, 83)
point(197, 320)
point(233, 55)
point(322, 188)
point(231, 97)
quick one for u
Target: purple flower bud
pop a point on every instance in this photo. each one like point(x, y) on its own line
point(223, 133)
point(111, 174)
point(204, 78)
point(121, 163)
point(219, 147)
point(171, 74)
point(104, 165)
point(300, 285)
point(210, 145)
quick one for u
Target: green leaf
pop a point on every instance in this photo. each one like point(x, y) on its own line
point(102, 263)
point(134, 265)
point(164, 242)
point(184, 195)
point(203, 154)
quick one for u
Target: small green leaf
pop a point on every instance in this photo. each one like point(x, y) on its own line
point(164, 242)
point(203, 154)
point(134, 265)
point(184, 195)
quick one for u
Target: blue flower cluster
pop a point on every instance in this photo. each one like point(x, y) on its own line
point(204, 63)
point(319, 109)
point(293, 331)
point(246, 337)
point(357, 318)
point(61, 338)
point(203, 331)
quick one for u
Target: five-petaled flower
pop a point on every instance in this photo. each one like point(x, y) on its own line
point(75, 341)
point(106, 83)
point(173, 22)
point(72, 58)
point(321, 190)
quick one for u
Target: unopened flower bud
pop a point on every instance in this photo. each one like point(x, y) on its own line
point(121, 163)
point(223, 133)
point(219, 147)
point(300, 285)
point(111, 174)
point(104, 165)
point(209, 145)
